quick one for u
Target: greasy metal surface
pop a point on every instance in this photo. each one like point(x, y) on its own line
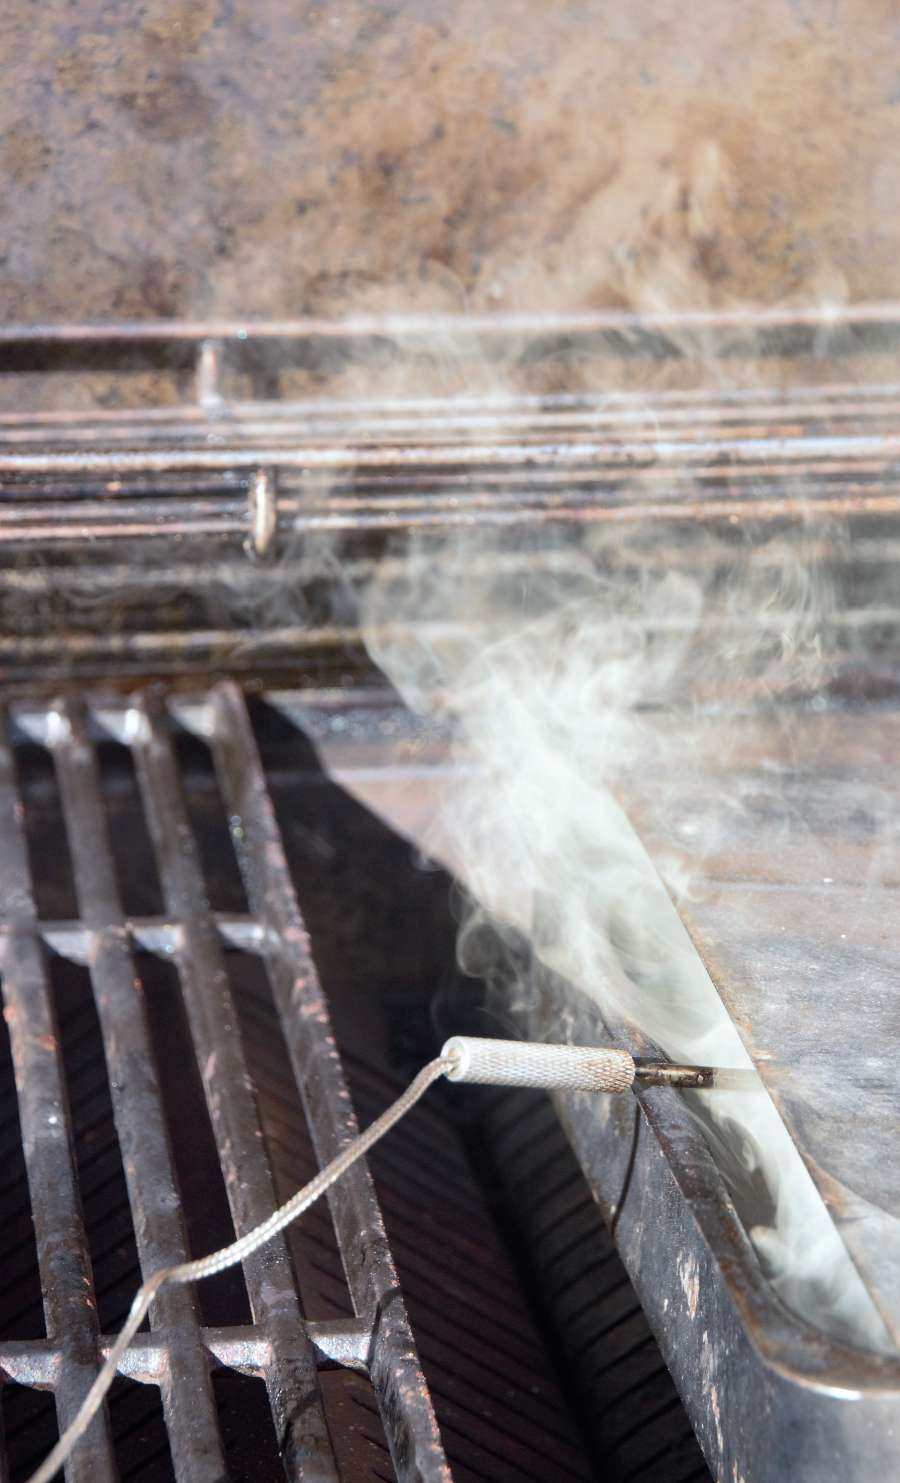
point(70, 1308)
point(372, 1277)
point(624, 1393)
point(735, 1354)
point(808, 430)
point(140, 1118)
point(810, 970)
point(205, 534)
point(176, 1355)
point(379, 926)
point(735, 1351)
point(253, 158)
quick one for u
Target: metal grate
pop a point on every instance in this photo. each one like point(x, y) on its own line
point(177, 1352)
point(190, 522)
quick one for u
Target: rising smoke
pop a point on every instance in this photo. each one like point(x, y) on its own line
point(584, 669)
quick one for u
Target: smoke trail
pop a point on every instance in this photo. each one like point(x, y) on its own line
point(574, 666)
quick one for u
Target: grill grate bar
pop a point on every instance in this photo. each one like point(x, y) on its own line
point(188, 1401)
point(65, 1269)
point(178, 1353)
point(340, 1343)
point(159, 935)
point(881, 448)
point(291, 1376)
point(395, 1370)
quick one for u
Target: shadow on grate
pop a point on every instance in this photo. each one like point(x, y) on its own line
point(21, 1309)
point(312, 1240)
point(52, 878)
point(131, 847)
point(618, 1385)
point(101, 1176)
point(505, 1262)
point(223, 1298)
point(245, 1421)
point(30, 1430)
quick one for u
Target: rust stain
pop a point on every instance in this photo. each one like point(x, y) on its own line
point(269, 159)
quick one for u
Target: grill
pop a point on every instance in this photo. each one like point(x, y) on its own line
point(277, 1344)
point(180, 573)
point(133, 971)
point(125, 532)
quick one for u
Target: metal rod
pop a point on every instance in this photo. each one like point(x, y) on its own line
point(413, 419)
point(883, 448)
point(524, 419)
point(291, 1377)
point(649, 1073)
point(395, 1369)
point(70, 1308)
point(188, 1402)
point(595, 507)
point(824, 316)
point(207, 374)
point(338, 1344)
point(158, 935)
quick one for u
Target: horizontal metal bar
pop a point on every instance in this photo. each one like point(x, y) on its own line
point(255, 646)
point(418, 326)
point(764, 503)
point(418, 494)
point(159, 935)
point(531, 418)
point(340, 1344)
point(883, 448)
point(686, 403)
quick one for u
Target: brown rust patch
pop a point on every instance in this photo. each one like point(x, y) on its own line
point(442, 156)
point(168, 106)
point(25, 152)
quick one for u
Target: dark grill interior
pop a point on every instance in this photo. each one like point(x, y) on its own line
point(538, 1359)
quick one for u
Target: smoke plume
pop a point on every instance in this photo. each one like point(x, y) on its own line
point(580, 669)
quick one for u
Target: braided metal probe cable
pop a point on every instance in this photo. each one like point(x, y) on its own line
point(228, 1256)
point(463, 1058)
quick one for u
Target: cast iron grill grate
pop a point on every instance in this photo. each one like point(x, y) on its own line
point(65, 982)
point(109, 908)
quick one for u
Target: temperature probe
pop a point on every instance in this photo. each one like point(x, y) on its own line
point(521, 1063)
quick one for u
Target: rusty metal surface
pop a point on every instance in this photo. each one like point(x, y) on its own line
point(811, 977)
point(238, 159)
point(70, 1307)
point(175, 1357)
point(818, 952)
point(791, 847)
point(808, 970)
point(205, 534)
point(377, 925)
point(393, 1362)
point(140, 1117)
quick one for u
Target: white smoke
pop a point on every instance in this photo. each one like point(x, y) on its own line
point(571, 667)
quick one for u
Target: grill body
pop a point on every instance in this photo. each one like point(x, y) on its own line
point(157, 564)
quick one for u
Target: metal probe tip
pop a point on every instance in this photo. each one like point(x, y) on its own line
point(649, 1073)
